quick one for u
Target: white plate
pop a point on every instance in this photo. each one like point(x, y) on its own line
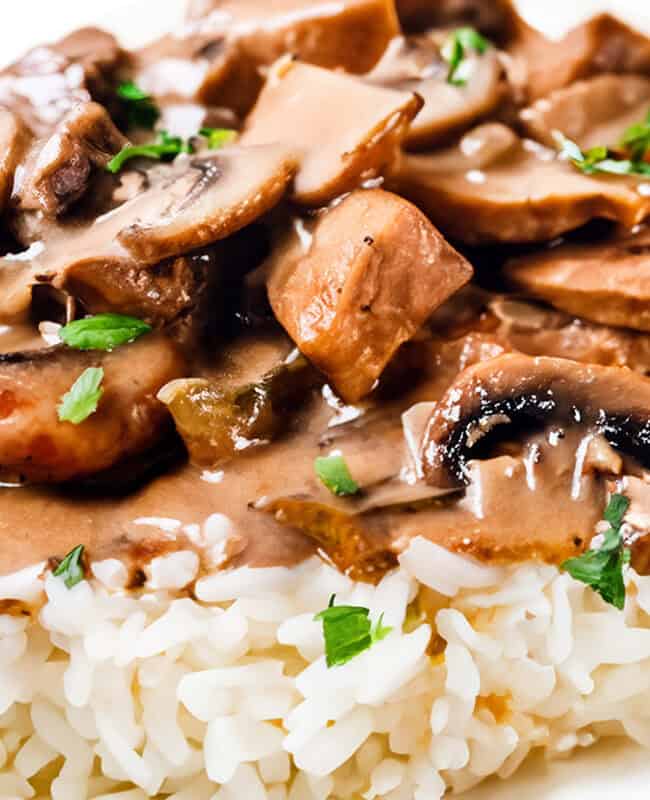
point(612, 769)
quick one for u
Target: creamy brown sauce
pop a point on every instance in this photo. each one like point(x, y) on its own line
point(531, 492)
point(532, 500)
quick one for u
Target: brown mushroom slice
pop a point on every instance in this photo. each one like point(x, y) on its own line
point(414, 64)
point(50, 80)
point(216, 422)
point(14, 141)
point(187, 205)
point(58, 170)
point(602, 44)
point(337, 151)
point(608, 282)
point(372, 271)
point(593, 112)
point(495, 187)
point(206, 199)
point(128, 420)
point(515, 391)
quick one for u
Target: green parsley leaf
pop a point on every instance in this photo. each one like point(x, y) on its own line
point(456, 49)
point(103, 331)
point(334, 473)
point(165, 148)
point(347, 631)
point(636, 139)
point(141, 112)
point(71, 568)
point(218, 137)
point(598, 159)
point(82, 399)
point(602, 569)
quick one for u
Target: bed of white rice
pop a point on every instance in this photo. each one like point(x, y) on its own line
point(222, 692)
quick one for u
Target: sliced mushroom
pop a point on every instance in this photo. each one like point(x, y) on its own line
point(373, 269)
point(205, 199)
point(593, 112)
point(226, 46)
point(495, 187)
point(608, 281)
point(58, 170)
point(603, 44)
point(337, 151)
point(187, 205)
point(50, 80)
point(14, 141)
point(514, 391)
point(129, 418)
point(414, 64)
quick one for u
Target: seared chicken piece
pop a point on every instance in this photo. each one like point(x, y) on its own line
point(228, 44)
point(35, 444)
point(373, 269)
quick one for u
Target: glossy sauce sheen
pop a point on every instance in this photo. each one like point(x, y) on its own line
point(538, 476)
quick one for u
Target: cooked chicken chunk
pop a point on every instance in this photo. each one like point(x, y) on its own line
point(228, 44)
point(370, 273)
point(35, 444)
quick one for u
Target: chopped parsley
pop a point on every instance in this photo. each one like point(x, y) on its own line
point(141, 111)
point(334, 473)
point(71, 568)
point(602, 568)
point(83, 397)
point(103, 331)
point(218, 137)
point(348, 631)
point(165, 148)
point(455, 51)
point(636, 139)
point(599, 159)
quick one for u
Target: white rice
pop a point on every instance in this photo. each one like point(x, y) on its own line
point(109, 695)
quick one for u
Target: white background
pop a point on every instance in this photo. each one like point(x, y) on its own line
point(27, 22)
point(610, 770)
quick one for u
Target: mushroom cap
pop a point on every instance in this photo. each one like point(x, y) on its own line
point(518, 390)
point(414, 64)
point(337, 150)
